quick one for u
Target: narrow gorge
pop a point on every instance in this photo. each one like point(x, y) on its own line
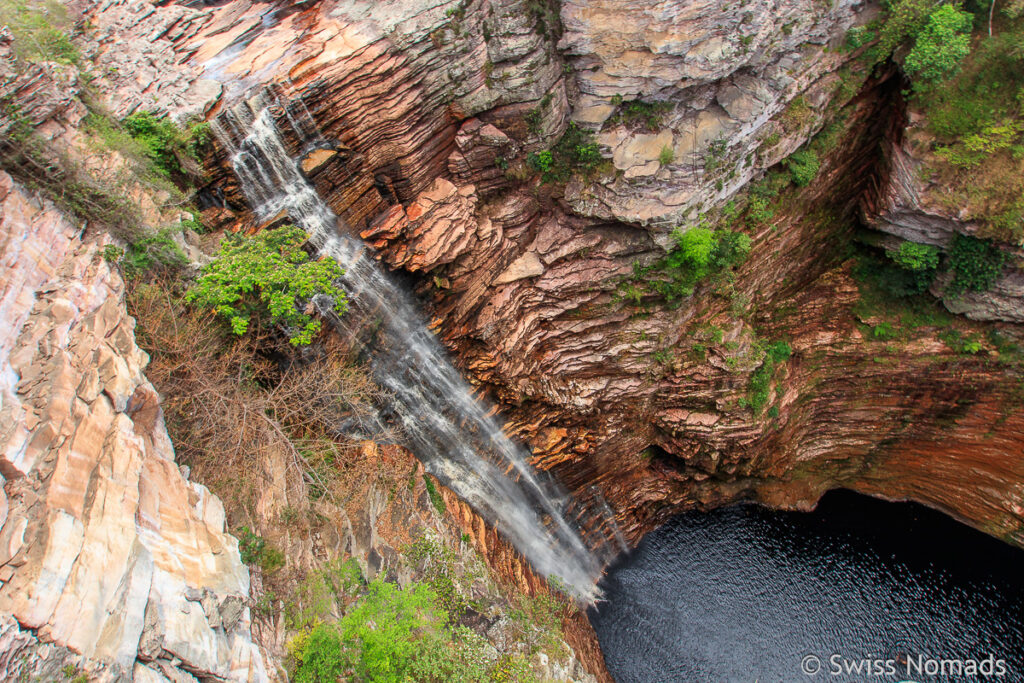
point(352, 340)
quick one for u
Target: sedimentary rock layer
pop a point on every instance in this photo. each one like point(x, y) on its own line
point(107, 550)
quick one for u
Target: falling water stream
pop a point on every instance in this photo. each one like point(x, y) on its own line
point(442, 423)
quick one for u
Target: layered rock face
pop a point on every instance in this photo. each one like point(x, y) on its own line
point(722, 72)
point(912, 206)
point(111, 560)
point(421, 107)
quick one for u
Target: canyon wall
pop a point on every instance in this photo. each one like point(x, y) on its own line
point(428, 114)
point(110, 558)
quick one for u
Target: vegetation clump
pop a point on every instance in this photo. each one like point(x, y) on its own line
point(698, 253)
point(392, 635)
point(647, 115)
point(173, 150)
point(969, 90)
point(918, 264)
point(941, 45)
point(264, 278)
point(413, 633)
point(976, 264)
point(760, 381)
point(803, 166)
point(41, 30)
point(255, 550)
point(666, 156)
point(575, 152)
point(40, 166)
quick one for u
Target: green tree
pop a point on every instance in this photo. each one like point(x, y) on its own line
point(264, 277)
point(941, 45)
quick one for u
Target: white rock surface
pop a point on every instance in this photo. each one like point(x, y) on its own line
point(103, 541)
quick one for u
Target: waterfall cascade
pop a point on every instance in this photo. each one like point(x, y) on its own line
point(440, 420)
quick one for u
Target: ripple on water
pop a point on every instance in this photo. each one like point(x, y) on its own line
point(745, 593)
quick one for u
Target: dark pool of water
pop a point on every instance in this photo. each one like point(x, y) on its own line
point(749, 594)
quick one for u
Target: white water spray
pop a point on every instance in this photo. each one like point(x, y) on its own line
point(448, 430)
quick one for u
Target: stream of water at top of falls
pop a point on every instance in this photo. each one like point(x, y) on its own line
point(448, 429)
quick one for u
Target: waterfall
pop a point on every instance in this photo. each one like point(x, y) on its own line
point(442, 423)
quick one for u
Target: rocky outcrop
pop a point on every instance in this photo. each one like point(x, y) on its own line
point(106, 549)
point(719, 73)
point(912, 205)
point(134, 70)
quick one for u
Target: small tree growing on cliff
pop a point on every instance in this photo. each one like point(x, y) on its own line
point(265, 277)
point(941, 46)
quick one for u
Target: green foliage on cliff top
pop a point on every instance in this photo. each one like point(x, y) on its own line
point(940, 46)
point(41, 29)
point(263, 278)
point(976, 117)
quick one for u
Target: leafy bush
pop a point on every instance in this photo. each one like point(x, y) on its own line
point(903, 20)
point(941, 46)
point(693, 250)
point(263, 277)
point(759, 212)
point(803, 166)
point(575, 152)
point(172, 150)
point(698, 253)
point(976, 264)
point(541, 161)
point(393, 635)
point(916, 257)
point(254, 550)
point(918, 263)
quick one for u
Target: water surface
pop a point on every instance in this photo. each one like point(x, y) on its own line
point(749, 594)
